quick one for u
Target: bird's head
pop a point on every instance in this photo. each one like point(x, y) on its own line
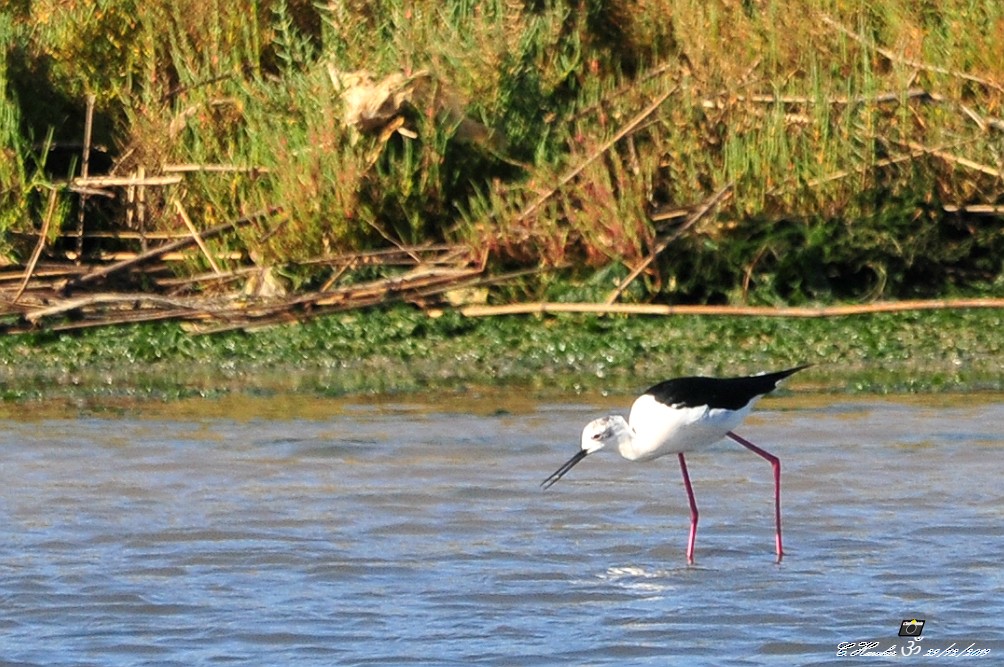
point(595, 436)
point(602, 432)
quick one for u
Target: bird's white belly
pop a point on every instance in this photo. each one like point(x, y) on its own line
point(661, 429)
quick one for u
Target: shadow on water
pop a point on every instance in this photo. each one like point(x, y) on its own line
point(286, 530)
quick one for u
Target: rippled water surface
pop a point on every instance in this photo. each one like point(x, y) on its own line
point(400, 534)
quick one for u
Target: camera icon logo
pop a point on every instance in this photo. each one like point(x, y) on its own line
point(911, 628)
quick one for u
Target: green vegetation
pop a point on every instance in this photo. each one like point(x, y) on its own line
point(402, 350)
point(859, 145)
point(854, 135)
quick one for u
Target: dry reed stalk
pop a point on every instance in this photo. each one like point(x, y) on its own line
point(975, 209)
point(37, 252)
point(627, 129)
point(103, 257)
point(392, 286)
point(131, 301)
point(43, 271)
point(801, 100)
point(133, 317)
point(212, 168)
point(141, 207)
point(198, 238)
point(953, 159)
point(84, 172)
point(139, 180)
point(845, 173)
point(402, 255)
point(303, 307)
point(889, 55)
point(130, 212)
point(542, 308)
point(120, 235)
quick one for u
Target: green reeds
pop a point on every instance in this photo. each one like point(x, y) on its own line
point(854, 134)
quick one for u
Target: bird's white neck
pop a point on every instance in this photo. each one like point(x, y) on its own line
point(622, 437)
point(628, 446)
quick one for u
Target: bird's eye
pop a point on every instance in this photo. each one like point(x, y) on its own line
point(597, 436)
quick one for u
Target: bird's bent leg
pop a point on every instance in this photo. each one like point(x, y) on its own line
point(776, 465)
point(693, 510)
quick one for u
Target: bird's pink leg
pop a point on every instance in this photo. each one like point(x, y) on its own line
point(693, 510)
point(776, 464)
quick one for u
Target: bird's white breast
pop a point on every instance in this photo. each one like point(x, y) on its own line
point(662, 429)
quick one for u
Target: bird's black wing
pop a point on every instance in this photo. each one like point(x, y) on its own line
point(728, 393)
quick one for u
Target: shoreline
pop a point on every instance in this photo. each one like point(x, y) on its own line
point(402, 351)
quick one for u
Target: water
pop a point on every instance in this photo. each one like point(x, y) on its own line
point(411, 534)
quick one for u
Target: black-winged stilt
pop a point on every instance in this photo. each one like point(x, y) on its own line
point(682, 415)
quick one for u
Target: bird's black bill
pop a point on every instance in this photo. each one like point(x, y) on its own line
point(560, 472)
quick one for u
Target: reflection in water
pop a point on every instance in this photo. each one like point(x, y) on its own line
point(406, 535)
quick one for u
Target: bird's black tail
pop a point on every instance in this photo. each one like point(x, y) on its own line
point(768, 381)
point(780, 375)
point(729, 393)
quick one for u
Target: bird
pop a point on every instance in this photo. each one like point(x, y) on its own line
point(683, 415)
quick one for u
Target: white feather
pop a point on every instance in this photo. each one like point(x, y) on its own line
point(661, 429)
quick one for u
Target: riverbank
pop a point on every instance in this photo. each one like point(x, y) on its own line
point(403, 350)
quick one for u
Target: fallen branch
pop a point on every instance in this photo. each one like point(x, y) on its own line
point(542, 308)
